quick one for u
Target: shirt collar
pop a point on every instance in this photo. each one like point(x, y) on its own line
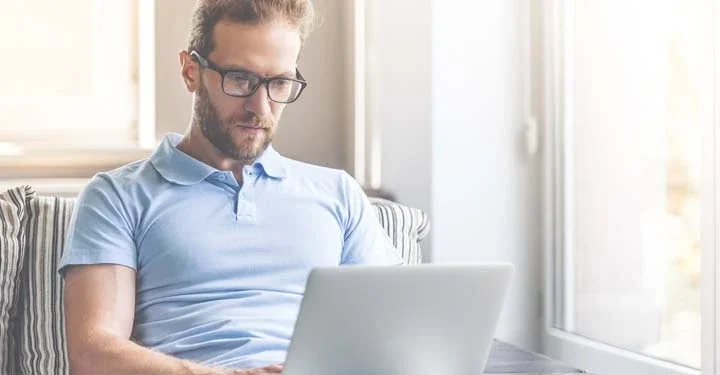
point(272, 163)
point(181, 168)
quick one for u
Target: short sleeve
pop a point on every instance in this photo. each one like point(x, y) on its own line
point(100, 230)
point(365, 242)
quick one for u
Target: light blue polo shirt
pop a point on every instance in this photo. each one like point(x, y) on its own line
point(221, 268)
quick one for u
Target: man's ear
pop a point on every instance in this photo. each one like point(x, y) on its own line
point(190, 71)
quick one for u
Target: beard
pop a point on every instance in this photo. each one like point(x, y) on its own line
point(219, 132)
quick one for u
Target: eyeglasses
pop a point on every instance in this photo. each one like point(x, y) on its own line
point(242, 83)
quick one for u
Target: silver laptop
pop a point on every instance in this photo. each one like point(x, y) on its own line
point(425, 319)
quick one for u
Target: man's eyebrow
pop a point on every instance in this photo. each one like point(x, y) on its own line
point(288, 74)
point(236, 67)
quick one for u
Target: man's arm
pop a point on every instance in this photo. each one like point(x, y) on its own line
point(99, 313)
point(365, 240)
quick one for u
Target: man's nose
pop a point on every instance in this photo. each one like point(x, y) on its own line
point(259, 102)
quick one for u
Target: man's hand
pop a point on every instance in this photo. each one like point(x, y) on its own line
point(274, 369)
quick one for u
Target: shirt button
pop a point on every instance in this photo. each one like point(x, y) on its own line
point(223, 177)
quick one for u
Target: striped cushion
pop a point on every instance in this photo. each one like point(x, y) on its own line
point(406, 227)
point(12, 207)
point(42, 348)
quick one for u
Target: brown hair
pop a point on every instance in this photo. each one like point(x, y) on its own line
point(208, 13)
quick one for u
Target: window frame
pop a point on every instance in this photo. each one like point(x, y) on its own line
point(571, 348)
point(84, 160)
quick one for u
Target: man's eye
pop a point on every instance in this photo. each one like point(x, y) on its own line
point(281, 83)
point(240, 80)
point(237, 76)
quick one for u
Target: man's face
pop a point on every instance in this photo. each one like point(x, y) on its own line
point(242, 128)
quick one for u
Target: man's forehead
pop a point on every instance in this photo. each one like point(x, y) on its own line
point(271, 48)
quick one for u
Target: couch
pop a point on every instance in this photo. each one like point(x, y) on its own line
point(32, 236)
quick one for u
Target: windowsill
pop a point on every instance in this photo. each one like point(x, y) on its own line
point(66, 163)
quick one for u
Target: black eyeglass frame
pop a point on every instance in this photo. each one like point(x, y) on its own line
point(206, 63)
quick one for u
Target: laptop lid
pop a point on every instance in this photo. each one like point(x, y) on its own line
point(425, 319)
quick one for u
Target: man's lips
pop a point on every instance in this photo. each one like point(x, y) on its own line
point(251, 127)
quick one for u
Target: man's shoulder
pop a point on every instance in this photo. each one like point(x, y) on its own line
point(131, 173)
point(129, 169)
point(321, 179)
point(313, 171)
point(123, 180)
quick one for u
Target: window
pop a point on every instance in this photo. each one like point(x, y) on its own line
point(632, 96)
point(69, 75)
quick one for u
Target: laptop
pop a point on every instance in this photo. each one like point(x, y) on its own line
point(416, 320)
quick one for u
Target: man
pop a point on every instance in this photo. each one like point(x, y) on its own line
point(194, 261)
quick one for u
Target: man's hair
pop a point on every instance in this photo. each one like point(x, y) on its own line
point(207, 13)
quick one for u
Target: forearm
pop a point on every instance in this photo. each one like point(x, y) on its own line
point(112, 355)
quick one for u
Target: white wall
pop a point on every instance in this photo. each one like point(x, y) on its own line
point(313, 129)
point(173, 102)
point(399, 102)
point(463, 137)
point(486, 192)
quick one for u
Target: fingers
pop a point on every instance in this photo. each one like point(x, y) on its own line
point(274, 369)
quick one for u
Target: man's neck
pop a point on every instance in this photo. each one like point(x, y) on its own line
point(197, 146)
